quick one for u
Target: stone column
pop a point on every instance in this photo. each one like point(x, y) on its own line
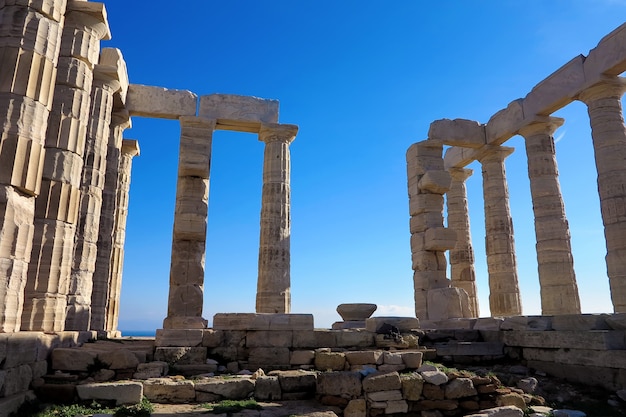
point(120, 121)
point(559, 292)
point(184, 308)
point(130, 149)
point(609, 142)
point(504, 297)
point(80, 296)
point(461, 256)
point(274, 282)
point(56, 207)
point(30, 39)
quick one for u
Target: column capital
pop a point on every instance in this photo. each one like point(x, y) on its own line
point(104, 76)
point(494, 153)
point(609, 87)
point(88, 14)
point(542, 125)
point(121, 119)
point(460, 174)
point(275, 132)
point(130, 147)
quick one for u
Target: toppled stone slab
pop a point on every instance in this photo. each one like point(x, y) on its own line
point(594, 340)
point(229, 389)
point(253, 321)
point(149, 101)
point(527, 323)
point(181, 355)
point(119, 359)
point(167, 390)
point(126, 392)
point(238, 113)
point(67, 359)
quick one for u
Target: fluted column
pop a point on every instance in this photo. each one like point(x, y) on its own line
point(57, 206)
point(504, 297)
point(130, 149)
point(184, 307)
point(559, 291)
point(609, 142)
point(81, 296)
point(120, 121)
point(461, 256)
point(274, 282)
point(30, 39)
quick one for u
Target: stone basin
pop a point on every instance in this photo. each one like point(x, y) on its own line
point(356, 311)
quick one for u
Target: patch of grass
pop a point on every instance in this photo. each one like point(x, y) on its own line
point(232, 406)
point(143, 409)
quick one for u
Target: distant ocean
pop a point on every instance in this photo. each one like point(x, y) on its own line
point(138, 333)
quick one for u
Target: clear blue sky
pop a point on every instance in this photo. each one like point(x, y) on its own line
point(363, 80)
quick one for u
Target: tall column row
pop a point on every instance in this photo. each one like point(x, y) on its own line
point(27, 81)
point(56, 120)
point(557, 278)
point(56, 209)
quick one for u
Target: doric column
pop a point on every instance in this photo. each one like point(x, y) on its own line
point(103, 269)
point(559, 292)
point(184, 307)
point(504, 297)
point(130, 149)
point(30, 39)
point(57, 206)
point(609, 142)
point(462, 270)
point(274, 283)
point(84, 293)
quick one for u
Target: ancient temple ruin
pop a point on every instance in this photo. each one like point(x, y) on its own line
point(65, 171)
point(594, 80)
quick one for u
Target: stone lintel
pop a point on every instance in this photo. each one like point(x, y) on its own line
point(594, 339)
point(159, 102)
point(238, 113)
point(113, 58)
point(96, 10)
point(503, 124)
point(557, 90)
point(609, 57)
point(261, 321)
point(458, 132)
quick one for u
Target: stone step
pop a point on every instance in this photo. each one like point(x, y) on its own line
point(593, 340)
point(469, 349)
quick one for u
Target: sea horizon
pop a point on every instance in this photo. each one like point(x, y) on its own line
point(138, 333)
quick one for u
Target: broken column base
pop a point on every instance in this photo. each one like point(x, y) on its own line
point(448, 303)
point(189, 322)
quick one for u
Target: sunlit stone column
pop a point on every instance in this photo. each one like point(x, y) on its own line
point(30, 38)
point(84, 293)
point(504, 297)
point(559, 292)
point(274, 282)
point(130, 149)
point(56, 207)
point(120, 121)
point(462, 270)
point(184, 308)
point(609, 142)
